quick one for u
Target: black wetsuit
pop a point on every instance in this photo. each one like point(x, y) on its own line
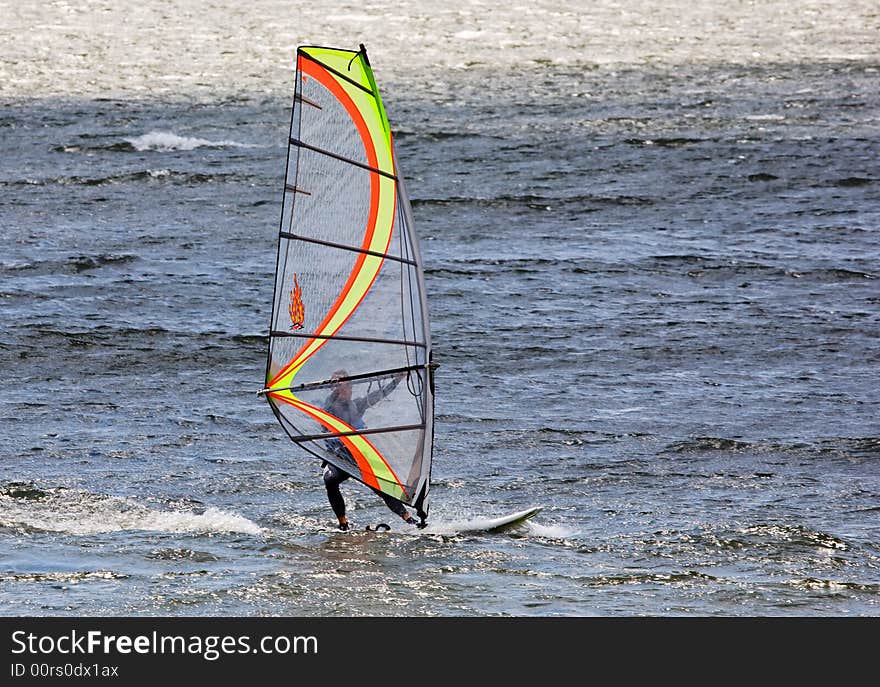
point(351, 412)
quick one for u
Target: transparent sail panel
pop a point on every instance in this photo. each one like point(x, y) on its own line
point(348, 373)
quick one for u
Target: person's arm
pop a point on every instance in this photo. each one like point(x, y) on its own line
point(375, 396)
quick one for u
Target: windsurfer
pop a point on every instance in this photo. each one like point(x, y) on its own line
point(351, 411)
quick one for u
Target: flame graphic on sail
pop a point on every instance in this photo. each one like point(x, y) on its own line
point(296, 308)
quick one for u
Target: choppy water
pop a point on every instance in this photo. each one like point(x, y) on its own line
point(652, 234)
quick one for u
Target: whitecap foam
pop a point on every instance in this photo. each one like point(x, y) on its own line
point(165, 141)
point(211, 520)
point(83, 513)
point(469, 35)
point(549, 531)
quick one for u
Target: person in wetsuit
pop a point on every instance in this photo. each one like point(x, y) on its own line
point(351, 411)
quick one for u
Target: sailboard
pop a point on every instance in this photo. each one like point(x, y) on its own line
point(349, 306)
point(498, 524)
point(473, 526)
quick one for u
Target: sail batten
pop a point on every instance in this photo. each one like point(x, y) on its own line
point(316, 149)
point(349, 312)
point(356, 249)
point(336, 435)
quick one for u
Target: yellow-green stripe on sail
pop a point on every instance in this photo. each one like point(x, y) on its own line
point(356, 67)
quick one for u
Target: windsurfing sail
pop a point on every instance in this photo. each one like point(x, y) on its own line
point(349, 306)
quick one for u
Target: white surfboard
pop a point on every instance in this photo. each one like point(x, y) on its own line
point(499, 524)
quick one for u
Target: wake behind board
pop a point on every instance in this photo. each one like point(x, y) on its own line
point(500, 524)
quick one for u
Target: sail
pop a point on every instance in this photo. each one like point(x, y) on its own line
point(349, 307)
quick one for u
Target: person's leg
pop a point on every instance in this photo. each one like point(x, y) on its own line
point(333, 477)
point(396, 507)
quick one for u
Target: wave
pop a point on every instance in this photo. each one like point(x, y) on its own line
point(149, 175)
point(701, 444)
point(671, 142)
point(157, 141)
point(70, 265)
point(126, 335)
point(62, 577)
point(584, 202)
point(833, 274)
point(27, 508)
point(846, 447)
point(853, 181)
point(699, 266)
point(550, 531)
point(81, 263)
point(166, 141)
point(651, 578)
point(827, 585)
point(780, 535)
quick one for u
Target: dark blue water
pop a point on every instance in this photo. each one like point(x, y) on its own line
point(655, 299)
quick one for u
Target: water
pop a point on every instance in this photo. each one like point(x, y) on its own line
point(651, 233)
